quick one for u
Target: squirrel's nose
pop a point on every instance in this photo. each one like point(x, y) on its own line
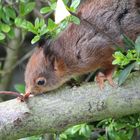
point(28, 90)
point(31, 91)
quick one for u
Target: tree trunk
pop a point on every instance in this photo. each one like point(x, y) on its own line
point(12, 56)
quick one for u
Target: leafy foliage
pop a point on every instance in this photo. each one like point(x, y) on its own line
point(7, 15)
point(127, 60)
point(12, 17)
point(81, 132)
point(25, 8)
point(40, 28)
point(112, 129)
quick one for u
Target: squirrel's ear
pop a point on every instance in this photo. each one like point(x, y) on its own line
point(59, 66)
point(43, 42)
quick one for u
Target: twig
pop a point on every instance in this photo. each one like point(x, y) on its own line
point(37, 13)
point(48, 15)
point(23, 58)
point(12, 93)
point(22, 98)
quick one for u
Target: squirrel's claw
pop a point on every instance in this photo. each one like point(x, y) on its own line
point(107, 75)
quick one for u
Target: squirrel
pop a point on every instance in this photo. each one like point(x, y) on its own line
point(77, 50)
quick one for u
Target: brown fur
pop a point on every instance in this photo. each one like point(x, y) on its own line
point(80, 48)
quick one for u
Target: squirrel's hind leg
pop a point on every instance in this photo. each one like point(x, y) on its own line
point(101, 77)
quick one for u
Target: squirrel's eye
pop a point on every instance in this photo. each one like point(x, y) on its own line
point(41, 81)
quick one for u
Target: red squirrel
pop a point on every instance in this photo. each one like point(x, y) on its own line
point(79, 49)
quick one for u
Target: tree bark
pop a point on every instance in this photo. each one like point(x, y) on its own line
point(60, 109)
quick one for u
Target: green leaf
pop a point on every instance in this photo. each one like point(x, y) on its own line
point(63, 136)
point(53, 6)
point(65, 2)
point(115, 62)
point(42, 22)
point(29, 7)
point(120, 126)
point(51, 24)
point(20, 88)
point(37, 25)
point(5, 28)
point(137, 45)
point(113, 135)
point(22, 23)
point(31, 28)
point(88, 131)
point(75, 129)
point(18, 21)
point(35, 39)
point(45, 10)
point(75, 20)
point(119, 58)
point(102, 138)
point(85, 130)
point(10, 12)
point(21, 8)
point(11, 33)
point(75, 4)
point(43, 30)
point(2, 36)
point(26, 8)
point(124, 73)
point(130, 55)
point(3, 16)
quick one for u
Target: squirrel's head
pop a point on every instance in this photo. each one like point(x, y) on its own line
point(44, 72)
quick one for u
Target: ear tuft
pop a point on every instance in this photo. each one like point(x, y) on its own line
point(59, 66)
point(43, 42)
point(47, 48)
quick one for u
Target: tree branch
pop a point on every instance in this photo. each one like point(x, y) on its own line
point(60, 109)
